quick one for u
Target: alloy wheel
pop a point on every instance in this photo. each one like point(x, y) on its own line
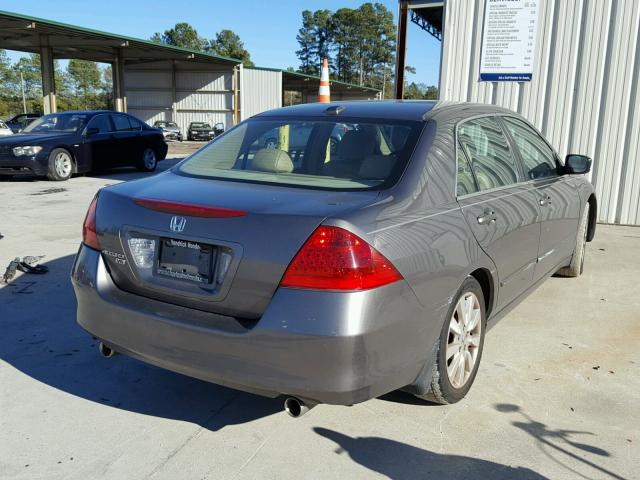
point(62, 164)
point(149, 159)
point(463, 343)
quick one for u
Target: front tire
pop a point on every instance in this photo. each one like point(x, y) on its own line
point(576, 267)
point(60, 165)
point(149, 161)
point(459, 349)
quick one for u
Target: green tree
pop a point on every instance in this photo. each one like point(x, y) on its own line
point(228, 44)
point(181, 35)
point(360, 43)
point(84, 76)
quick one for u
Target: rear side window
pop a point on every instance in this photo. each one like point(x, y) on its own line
point(121, 122)
point(135, 123)
point(538, 158)
point(486, 146)
point(316, 153)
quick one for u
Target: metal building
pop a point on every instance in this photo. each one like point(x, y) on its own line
point(162, 82)
point(266, 88)
point(584, 88)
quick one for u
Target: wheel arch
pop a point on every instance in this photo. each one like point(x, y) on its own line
point(484, 278)
point(593, 215)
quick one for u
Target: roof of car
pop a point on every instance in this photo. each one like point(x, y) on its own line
point(419, 110)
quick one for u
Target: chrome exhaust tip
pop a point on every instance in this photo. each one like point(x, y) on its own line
point(296, 407)
point(106, 352)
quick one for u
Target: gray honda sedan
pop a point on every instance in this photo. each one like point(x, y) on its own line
point(335, 273)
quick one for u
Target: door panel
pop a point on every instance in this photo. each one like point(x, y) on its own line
point(558, 201)
point(504, 212)
point(124, 141)
point(560, 214)
point(505, 224)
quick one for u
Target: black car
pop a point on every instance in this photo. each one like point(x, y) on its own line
point(203, 131)
point(61, 144)
point(19, 122)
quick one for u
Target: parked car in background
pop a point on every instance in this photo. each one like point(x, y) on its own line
point(20, 122)
point(4, 129)
point(374, 267)
point(203, 131)
point(170, 130)
point(62, 144)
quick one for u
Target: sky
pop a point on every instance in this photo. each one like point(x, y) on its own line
point(267, 28)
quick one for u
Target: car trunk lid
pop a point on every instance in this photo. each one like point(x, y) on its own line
point(241, 256)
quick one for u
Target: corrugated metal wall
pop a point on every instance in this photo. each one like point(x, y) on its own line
point(584, 93)
point(261, 90)
point(193, 92)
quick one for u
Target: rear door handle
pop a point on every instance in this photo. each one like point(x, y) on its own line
point(489, 216)
point(545, 201)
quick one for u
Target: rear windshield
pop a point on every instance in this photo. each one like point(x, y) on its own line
point(335, 154)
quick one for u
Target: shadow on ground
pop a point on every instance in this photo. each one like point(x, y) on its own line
point(558, 444)
point(400, 461)
point(40, 338)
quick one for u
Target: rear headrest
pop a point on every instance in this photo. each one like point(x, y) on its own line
point(356, 144)
point(377, 167)
point(271, 160)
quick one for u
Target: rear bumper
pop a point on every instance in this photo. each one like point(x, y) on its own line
point(326, 347)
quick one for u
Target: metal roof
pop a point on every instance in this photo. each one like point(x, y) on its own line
point(297, 80)
point(28, 34)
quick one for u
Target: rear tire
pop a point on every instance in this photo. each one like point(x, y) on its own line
point(576, 267)
point(60, 165)
point(459, 349)
point(149, 161)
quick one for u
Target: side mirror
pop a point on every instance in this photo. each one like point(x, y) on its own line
point(577, 164)
point(218, 128)
point(91, 131)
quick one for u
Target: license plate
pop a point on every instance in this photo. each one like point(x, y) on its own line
point(186, 260)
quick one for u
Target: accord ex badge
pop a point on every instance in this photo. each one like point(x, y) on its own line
point(177, 224)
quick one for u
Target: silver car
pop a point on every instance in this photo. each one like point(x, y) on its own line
point(334, 275)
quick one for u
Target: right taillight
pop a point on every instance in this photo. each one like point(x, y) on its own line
point(89, 233)
point(335, 259)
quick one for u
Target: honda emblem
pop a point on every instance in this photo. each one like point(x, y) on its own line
point(177, 224)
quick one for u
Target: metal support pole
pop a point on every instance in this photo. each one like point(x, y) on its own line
point(174, 104)
point(401, 48)
point(119, 95)
point(24, 99)
point(48, 79)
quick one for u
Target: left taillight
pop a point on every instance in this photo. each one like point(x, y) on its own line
point(89, 233)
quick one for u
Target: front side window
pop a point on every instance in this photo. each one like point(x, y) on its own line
point(58, 123)
point(486, 146)
point(353, 154)
point(538, 158)
point(101, 122)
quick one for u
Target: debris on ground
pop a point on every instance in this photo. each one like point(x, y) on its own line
point(10, 272)
point(47, 191)
point(1, 236)
point(567, 345)
point(28, 264)
point(597, 367)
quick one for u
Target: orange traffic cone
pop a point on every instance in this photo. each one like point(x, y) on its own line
point(324, 94)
